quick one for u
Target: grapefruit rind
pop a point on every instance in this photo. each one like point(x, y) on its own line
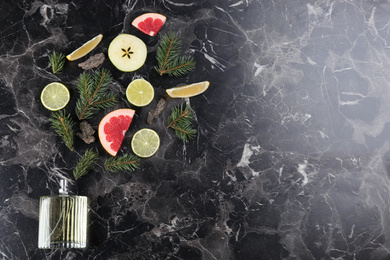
point(149, 23)
point(105, 138)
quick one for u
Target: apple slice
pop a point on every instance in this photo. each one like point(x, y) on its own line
point(127, 52)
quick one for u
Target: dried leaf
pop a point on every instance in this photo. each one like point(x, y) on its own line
point(93, 62)
point(154, 113)
point(87, 132)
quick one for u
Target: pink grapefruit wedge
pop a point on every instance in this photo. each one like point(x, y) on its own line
point(112, 129)
point(149, 23)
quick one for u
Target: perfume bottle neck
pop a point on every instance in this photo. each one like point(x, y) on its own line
point(63, 187)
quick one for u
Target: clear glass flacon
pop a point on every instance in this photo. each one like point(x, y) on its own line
point(63, 220)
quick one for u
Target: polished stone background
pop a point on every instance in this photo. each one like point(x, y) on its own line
point(291, 160)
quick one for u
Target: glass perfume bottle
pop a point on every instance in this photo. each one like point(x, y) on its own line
point(63, 220)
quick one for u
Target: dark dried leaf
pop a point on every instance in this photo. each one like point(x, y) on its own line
point(87, 132)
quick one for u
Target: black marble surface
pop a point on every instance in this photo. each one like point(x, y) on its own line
point(291, 160)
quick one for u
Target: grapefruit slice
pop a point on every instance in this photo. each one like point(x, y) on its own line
point(113, 127)
point(149, 23)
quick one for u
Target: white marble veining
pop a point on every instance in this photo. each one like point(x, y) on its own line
point(291, 160)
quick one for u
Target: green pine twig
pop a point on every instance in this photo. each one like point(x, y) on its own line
point(85, 164)
point(181, 121)
point(168, 57)
point(56, 61)
point(122, 163)
point(63, 125)
point(94, 93)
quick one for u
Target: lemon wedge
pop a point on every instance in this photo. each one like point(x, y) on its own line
point(188, 90)
point(85, 48)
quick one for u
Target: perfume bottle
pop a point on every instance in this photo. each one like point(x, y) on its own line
point(63, 220)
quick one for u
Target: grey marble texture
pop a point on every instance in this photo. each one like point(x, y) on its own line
point(292, 156)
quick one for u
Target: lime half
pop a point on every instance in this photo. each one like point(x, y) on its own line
point(145, 143)
point(55, 96)
point(140, 92)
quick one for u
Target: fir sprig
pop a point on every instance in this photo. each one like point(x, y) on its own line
point(85, 164)
point(63, 125)
point(126, 162)
point(94, 93)
point(56, 61)
point(181, 120)
point(168, 57)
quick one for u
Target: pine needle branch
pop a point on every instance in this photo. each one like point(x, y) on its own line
point(85, 164)
point(181, 121)
point(168, 57)
point(123, 163)
point(63, 124)
point(94, 93)
point(56, 61)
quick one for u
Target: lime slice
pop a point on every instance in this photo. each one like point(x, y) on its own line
point(145, 143)
point(55, 96)
point(140, 92)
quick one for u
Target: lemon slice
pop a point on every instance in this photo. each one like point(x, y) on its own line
point(145, 143)
point(140, 92)
point(188, 90)
point(85, 48)
point(55, 96)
